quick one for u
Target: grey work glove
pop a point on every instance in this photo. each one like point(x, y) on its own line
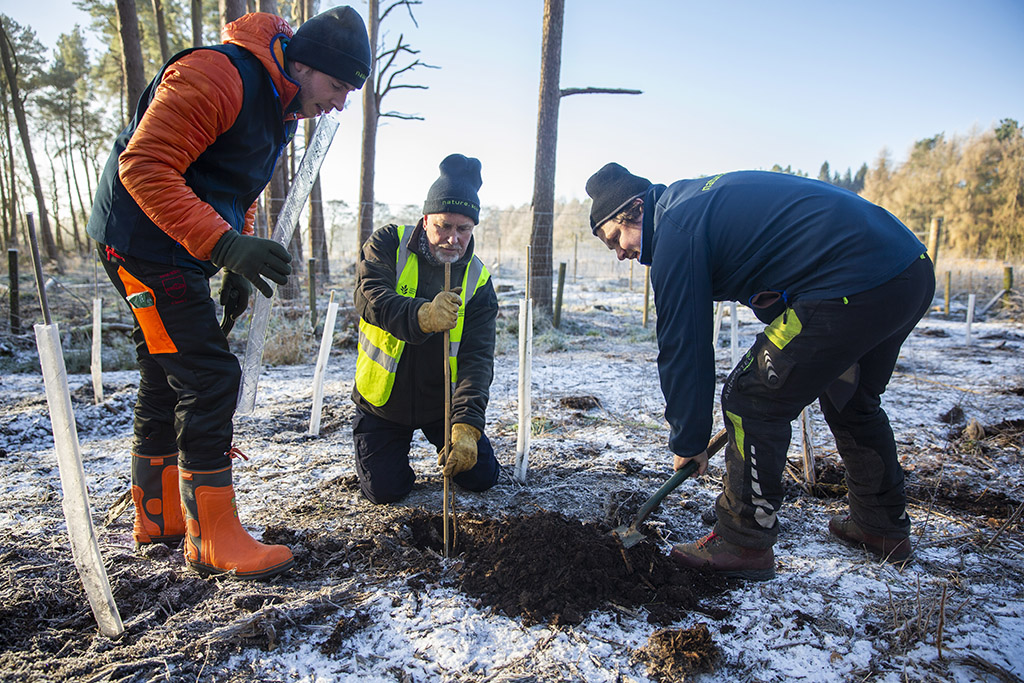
point(463, 450)
point(253, 257)
point(440, 314)
point(234, 297)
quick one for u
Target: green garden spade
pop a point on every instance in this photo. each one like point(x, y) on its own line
point(630, 535)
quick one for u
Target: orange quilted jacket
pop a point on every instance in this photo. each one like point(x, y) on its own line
point(198, 98)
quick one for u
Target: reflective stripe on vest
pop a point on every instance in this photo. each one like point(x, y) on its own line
point(379, 351)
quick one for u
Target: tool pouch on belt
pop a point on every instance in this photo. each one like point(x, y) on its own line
point(143, 302)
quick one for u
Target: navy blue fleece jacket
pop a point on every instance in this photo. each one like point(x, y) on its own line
point(731, 236)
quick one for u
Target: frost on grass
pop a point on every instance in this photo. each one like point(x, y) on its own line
point(538, 588)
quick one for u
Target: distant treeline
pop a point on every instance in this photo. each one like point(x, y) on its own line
point(973, 184)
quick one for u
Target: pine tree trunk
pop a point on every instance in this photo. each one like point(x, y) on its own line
point(369, 149)
point(544, 168)
point(231, 10)
point(131, 53)
point(11, 201)
point(161, 30)
point(197, 23)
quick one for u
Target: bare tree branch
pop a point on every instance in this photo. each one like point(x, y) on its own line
point(565, 92)
point(408, 5)
point(404, 117)
point(397, 86)
point(386, 76)
point(383, 81)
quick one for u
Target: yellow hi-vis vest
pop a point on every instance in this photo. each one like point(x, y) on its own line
point(379, 351)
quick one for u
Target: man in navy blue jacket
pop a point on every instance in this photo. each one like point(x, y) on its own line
point(840, 284)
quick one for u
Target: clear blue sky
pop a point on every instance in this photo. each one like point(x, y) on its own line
point(726, 85)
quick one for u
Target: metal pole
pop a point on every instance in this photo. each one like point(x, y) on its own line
point(446, 511)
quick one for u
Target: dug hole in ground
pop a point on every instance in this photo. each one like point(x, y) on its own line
point(538, 590)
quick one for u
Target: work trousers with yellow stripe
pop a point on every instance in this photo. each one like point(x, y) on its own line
point(188, 378)
point(843, 355)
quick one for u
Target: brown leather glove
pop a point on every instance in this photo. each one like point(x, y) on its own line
point(440, 314)
point(463, 452)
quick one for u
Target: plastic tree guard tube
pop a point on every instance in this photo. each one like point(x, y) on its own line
point(525, 364)
point(321, 367)
point(302, 184)
point(84, 547)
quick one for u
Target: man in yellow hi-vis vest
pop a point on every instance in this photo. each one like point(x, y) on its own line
point(403, 310)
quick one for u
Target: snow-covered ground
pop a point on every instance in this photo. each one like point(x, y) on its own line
point(954, 612)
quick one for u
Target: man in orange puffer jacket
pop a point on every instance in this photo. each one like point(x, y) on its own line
point(175, 204)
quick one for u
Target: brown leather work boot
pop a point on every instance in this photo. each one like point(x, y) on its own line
point(215, 541)
point(890, 548)
point(157, 502)
point(727, 559)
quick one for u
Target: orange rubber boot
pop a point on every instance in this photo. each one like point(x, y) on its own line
point(215, 542)
point(157, 501)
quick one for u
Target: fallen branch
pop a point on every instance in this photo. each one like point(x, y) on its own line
point(999, 672)
point(118, 507)
point(1013, 518)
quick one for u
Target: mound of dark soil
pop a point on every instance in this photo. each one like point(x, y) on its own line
point(548, 568)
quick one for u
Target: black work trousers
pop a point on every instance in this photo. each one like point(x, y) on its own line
point(841, 352)
point(382, 458)
point(188, 378)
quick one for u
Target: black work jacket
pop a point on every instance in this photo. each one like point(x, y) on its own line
point(418, 395)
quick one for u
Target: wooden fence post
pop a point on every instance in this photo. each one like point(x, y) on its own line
point(12, 273)
point(949, 280)
point(934, 236)
point(558, 296)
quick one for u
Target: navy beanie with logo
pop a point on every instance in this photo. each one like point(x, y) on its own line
point(456, 190)
point(334, 42)
point(612, 189)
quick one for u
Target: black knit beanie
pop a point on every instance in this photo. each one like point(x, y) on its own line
point(334, 42)
point(612, 188)
point(455, 191)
